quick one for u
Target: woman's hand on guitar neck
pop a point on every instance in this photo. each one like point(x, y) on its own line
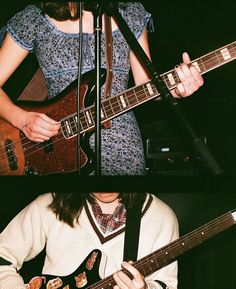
point(38, 127)
point(190, 78)
point(124, 282)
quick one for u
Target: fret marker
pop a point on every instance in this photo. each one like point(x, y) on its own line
point(102, 114)
point(183, 244)
point(225, 53)
point(202, 233)
point(166, 253)
point(149, 87)
point(68, 127)
point(123, 101)
point(76, 122)
point(196, 65)
point(171, 78)
point(88, 117)
point(152, 261)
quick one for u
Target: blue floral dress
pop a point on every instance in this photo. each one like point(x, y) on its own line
point(57, 54)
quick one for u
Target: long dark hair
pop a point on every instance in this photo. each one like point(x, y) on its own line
point(68, 206)
point(64, 10)
point(60, 11)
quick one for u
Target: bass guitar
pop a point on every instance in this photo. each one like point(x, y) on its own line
point(86, 276)
point(20, 156)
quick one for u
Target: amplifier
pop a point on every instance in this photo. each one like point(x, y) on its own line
point(172, 156)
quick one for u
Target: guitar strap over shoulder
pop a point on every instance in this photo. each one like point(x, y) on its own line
point(108, 52)
point(108, 47)
point(132, 230)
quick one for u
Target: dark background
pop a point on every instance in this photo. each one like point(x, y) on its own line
point(198, 27)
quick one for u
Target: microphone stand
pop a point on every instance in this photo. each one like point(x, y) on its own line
point(111, 8)
point(96, 8)
point(78, 87)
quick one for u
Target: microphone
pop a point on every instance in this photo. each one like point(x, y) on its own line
point(103, 5)
point(91, 5)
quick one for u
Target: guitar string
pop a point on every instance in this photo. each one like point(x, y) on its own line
point(108, 280)
point(226, 220)
point(207, 62)
point(34, 144)
point(131, 100)
point(132, 95)
point(145, 263)
point(219, 224)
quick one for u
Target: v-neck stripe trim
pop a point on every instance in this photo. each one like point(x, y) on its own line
point(103, 239)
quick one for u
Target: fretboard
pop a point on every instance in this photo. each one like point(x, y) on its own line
point(162, 257)
point(135, 96)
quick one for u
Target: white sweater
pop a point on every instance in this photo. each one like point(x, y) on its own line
point(66, 247)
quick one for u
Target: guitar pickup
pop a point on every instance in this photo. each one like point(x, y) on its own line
point(11, 156)
point(48, 146)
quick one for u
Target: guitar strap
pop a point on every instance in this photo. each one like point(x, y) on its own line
point(108, 47)
point(132, 230)
point(108, 52)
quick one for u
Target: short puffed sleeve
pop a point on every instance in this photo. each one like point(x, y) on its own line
point(24, 26)
point(137, 17)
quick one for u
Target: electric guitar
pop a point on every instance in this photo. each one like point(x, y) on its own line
point(20, 156)
point(87, 276)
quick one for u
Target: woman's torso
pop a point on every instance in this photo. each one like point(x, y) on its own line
point(56, 46)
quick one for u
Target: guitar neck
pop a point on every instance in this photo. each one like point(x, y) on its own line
point(167, 254)
point(205, 63)
point(135, 96)
point(171, 251)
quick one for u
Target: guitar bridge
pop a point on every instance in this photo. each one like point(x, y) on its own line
point(11, 156)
